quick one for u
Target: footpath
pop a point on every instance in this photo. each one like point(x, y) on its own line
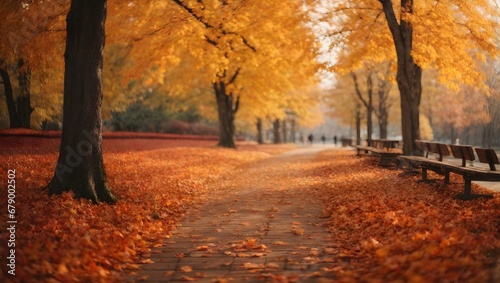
point(263, 224)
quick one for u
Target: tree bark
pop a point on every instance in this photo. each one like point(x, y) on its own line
point(260, 135)
point(23, 101)
point(358, 124)
point(383, 107)
point(284, 128)
point(14, 120)
point(277, 131)
point(383, 122)
point(292, 130)
point(80, 165)
point(368, 103)
point(409, 74)
point(226, 109)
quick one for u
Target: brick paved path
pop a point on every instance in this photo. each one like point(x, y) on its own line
point(264, 225)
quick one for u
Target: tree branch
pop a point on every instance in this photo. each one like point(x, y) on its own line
point(233, 78)
point(393, 25)
point(236, 104)
point(210, 26)
point(358, 91)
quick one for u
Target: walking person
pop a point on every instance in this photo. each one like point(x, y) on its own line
point(310, 138)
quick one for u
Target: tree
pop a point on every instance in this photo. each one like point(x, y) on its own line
point(19, 108)
point(491, 128)
point(33, 36)
point(377, 99)
point(9, 97)
point(368, 102)
point(260, 134)
point(409, 73)
point(424, 34)
point(80, 165)
point(227, 106)
point(245, 43)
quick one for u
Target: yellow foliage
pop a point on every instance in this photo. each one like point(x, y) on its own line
point(447, 35)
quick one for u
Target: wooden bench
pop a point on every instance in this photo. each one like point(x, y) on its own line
point(444, 159)
point(346, 142)
point(386, 150)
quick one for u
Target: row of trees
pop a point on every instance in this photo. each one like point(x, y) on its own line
point(257, 57)
point(222, 57)
point(466, 114)
point(452, 37)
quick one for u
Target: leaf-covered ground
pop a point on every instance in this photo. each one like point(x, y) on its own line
point(389, 227)
point(386, 226)
point(60, 239)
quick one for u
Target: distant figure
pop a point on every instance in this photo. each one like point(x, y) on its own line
point(335, 140)
point(323, 139)
point(457, 141)
point(302, 139)
point(310, 138)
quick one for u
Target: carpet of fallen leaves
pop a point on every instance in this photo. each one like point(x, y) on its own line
point(60, 239)
point(389, 227)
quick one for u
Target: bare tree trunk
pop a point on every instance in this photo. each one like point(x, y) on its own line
point(358, 124)
point(9, 98)
point(260, 136)
point(383, 122)
point(368, 102)
point(276, 131)
point(226, 109)
point(80, 165)
point(384, 104)
point(293, 130)
point(285, 130)
point(23, 101)
point(409, 74)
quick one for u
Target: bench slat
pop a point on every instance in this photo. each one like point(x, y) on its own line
point(464, 152)
point(489, 156)
point(460, 152)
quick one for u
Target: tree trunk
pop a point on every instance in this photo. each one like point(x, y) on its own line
point(14, 120)
point(285, 130)
point(384, 88)
point(383, 123)
point(226, 109)
point(293, 130)
point(260, 136)
point(368, 103)
point(276, 131)
point(452, 134)
point(369, 108)
point(409, 74)
point(487, 135)
point(80, 165)
point(358, 124)
point(23, 101)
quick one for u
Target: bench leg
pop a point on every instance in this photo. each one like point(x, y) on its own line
point(424, 174)
point(447, 177)
point(467, 192)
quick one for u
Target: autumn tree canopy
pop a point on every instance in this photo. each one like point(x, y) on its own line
point(181, 48)
point(446, 35)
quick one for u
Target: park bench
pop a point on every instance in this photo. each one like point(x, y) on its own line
point(346, 142)
point(444, 159)
point(386, 150)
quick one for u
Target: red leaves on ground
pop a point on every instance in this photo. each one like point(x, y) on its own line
point(390, 227)
point(63, 239)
